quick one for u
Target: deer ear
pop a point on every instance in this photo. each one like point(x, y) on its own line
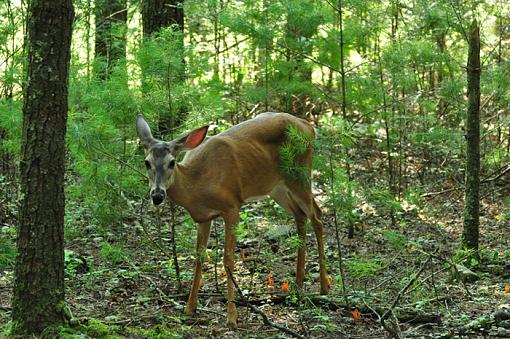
point(191, 140)
point(144, 132)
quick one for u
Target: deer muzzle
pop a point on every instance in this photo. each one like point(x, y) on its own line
point(157, 196)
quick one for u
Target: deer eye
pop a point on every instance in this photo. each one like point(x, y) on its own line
point(171, 164)
point(147, 164)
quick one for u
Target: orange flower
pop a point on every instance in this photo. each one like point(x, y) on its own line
point(507, 288)
point(330, 280)
point(285, 286)
point(356, 315)
point(270, 280)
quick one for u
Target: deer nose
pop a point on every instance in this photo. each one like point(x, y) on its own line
point(157, 197)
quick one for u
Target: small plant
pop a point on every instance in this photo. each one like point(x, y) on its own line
point(364, 268)
point(294, 242)
point(396, 240)
point(296, 145)
point(466, 257)
point(115, 254)
point(74, 263)
point(245, 218)
point(7, 253)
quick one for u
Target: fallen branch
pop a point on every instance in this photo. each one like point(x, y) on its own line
point(390, 310)
point(493, 177)
point(265, 319)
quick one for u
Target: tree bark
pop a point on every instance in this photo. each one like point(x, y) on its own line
point(157, 14)
point(39, 299)
point(110, 44)
point(472, 191)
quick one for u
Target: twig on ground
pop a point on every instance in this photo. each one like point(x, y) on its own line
point(265, 319)
point(453, 265)
point(395, 332)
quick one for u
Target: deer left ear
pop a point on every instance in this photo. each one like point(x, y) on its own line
point(191, 140)
point(144, 132)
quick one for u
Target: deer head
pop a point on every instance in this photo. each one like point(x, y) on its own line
point(161, 156)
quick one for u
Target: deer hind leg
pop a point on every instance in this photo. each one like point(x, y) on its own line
point(316, 219)
point(300, 219)
point(282, 196)
point(304, 199)
point(204, 230)
point(231, 221)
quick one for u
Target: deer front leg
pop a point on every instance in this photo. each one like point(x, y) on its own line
point(231, 222)
point(204, 230)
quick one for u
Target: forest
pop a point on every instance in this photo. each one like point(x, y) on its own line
point(146, 193)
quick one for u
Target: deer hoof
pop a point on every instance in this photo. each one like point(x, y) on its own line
point(231, 323)
point(231, 315)
point(189, 310)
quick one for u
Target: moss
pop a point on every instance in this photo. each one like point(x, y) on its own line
point(159, 331)
point(97, 328)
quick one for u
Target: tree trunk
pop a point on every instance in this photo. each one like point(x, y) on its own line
point(39, 300)
point(472, 190)
point(110, 45)
point(158, 14)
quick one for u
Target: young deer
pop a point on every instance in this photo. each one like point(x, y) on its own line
point(223, 172)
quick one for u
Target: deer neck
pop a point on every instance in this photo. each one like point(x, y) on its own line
point(180, 185)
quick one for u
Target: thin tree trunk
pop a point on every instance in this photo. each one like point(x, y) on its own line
point(350, 233)
point(472, 191)
point(110, 44)
point(39, 300)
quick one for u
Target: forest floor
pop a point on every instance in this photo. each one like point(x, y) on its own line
point(408, 272)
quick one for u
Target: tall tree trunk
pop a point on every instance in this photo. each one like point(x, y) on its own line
point(39, 300)
point(340, 10)
point(158, 14)
point(472, 190)
point(110, 45)
point(296, 37)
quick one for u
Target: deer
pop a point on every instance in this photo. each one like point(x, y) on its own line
point(220, 173)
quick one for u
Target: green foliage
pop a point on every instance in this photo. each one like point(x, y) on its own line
point(364, 268)
point(74, 263)
point(296, 144)
point(7, 252)
point(114, 253)
point(396, 240)
point(166, 93)
point(246, 217)
point(97, 328)
point(467, 257)
point(93, 328)
point(162, 331)
point(294, 242)
point(11, 121)
point(383, 199)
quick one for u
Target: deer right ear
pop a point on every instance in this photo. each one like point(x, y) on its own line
point(191, 140)
point(144, 132)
